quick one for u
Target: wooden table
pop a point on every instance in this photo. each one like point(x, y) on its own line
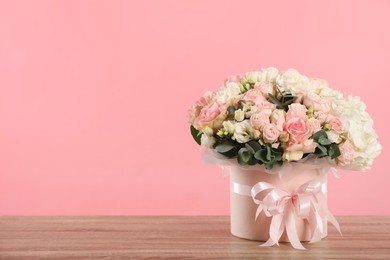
point(176, 238)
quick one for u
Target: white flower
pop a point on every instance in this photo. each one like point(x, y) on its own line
point(317, 84)
point(239, 115)
point(333, 136)
point(243, 131)
point(249, 110)
point(292, 81)
point(228, 126)
point(228, 93)
point(328, 92)
point(207, 141)
point(252, 77)
point(359, 125)
point(208, 131)
point(269, 75)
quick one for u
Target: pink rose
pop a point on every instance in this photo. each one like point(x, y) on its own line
point(336, 124)
point(278, 118)
point(199, 104)
point(318, 103)
point(299, 130)
point(265, 88)
point(314, 124)
point(321, 116)
point(270, 133)
point(295, 152)
point(259, 120)
point(296, 110)
point(266, 107)
point(347, 151)
point(208, 116)
point(307, 146)
point(254, 96)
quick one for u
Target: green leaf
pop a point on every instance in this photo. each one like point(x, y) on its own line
point(227, 148)
point(269, 156)
point(269, 165)
point(269, 153)
point(279, 162)
point(244, 156)
point(196, 134)
point(324, 140)
point(334, 151)
point(252, 161)
point(318, 134)
point(288, 102)
point(231, 110)
point(253, 146)
point(321, 151)
point(261, 155)
point(274, 100)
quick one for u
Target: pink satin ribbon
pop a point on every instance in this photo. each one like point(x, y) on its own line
point(307, 202)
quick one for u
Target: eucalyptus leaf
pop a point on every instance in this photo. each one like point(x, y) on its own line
point(274, 100)
point(227, 148)
point(261, 155)
point(244, 156)
point(288, 102)
point(334, 151)
point(321, 151)
point(269, 153)
point(318, 134)
point(253, 146)
point(196, 134)
point(324, 140)
point(231, 110)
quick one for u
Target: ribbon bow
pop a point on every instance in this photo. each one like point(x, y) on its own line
point(306, 202)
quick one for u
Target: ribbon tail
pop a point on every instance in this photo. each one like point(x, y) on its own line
point(316, 225)
point(258, 211)
point(334, 222)
point(292, 232)
point(269, 242)
point(275, 230)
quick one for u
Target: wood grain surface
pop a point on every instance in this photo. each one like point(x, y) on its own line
point(123, 237)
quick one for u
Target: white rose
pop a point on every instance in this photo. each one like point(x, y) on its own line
point(317, 84)
point(328, 92)
point(243, 132)
point(269, 75)
point(228, 93)
point(239, 115)
point(333, 136)
point(292, 81)
point(207, 141)
point(252, 77)
point(359, 126)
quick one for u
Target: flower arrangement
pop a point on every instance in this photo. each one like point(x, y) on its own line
point(270, 117)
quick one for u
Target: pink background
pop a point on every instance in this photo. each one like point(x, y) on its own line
point(94, 96)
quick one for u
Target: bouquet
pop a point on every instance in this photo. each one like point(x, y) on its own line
point(271, 117)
